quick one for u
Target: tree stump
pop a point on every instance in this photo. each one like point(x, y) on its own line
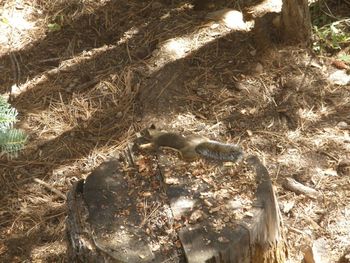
point(108, 223)
point(296, 22)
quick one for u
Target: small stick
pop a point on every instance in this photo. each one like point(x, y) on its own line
point(16, 68)
point(299, 188)
point(49, 187)
point(167, 85)
point(128, 51)
point(296, 230)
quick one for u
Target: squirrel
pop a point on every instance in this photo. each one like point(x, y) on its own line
point(192, 147)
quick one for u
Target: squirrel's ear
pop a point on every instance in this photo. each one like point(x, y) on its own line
point(152, 126)
point(145, 133)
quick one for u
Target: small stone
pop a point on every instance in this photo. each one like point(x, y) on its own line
point(288, 206)
point(253, 52)
point(119, 114)
point(234, 20)
point(233, 205)
point(156, 5)
point(171, 180)
point(258, 68)
point(15, 90)
point(238, 86)
point(339, 77)
point(200, 92)
point(342, 125)
point(196, 216)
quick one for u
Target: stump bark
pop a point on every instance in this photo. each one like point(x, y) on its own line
point(296, 22)
point(104, 222)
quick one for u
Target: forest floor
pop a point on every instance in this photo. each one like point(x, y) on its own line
point(86, 76)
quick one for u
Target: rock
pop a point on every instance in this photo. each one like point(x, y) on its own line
point(318, 252)
point(156, 5)
point(287, 206)
point(201, 92)
point(196, 216)
point(339, 77)
point(119, 114)
point(342, 125)
point(258, 68)
point(233, 19)
point(252, 52)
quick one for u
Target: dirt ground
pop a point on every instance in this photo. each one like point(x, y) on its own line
point(86, 76)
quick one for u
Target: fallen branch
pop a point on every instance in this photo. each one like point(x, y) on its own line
point(294, 186)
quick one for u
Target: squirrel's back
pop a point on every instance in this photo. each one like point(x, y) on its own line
point(193, 146)
point(168, 139)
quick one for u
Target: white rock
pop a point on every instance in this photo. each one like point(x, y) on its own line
point(318, 252)
point(342, 125)
point(339, 77)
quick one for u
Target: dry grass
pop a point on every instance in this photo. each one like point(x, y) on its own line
point(83, 92)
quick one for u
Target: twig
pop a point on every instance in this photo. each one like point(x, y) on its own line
point(167, 85)
point(299, 188)
point(296, 230)
point(330, 156)
point(86, 85)
point(128, 51)
point(49, 187)
point(16, 69)
point(147, 217)
point(52, 59)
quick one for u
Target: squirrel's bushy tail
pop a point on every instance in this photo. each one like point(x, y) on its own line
point(219, 151)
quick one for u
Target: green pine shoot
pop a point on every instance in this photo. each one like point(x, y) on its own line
point(11, 140)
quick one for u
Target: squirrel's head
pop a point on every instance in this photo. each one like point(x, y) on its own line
point(148, 132)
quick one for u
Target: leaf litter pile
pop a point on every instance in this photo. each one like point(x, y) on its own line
point(86, 76)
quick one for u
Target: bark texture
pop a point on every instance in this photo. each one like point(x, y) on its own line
point(296, 22)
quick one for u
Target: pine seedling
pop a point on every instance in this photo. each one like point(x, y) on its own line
point(11, 140)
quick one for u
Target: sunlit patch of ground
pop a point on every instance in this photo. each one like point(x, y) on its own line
point(16, 25)
point(78, 101)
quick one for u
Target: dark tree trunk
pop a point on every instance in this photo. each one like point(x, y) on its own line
point(296, 23)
